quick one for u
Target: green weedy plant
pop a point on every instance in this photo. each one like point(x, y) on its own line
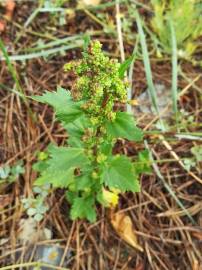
point(187, 21)
point(87, 167)
point(10, 174)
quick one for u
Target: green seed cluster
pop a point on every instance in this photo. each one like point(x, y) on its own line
point(98, 83)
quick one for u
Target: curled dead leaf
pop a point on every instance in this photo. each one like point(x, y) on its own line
point(122, 224)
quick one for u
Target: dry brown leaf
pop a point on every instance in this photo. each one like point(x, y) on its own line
point(124, 228)
point(91, 2)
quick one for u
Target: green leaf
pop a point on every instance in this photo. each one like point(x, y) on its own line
point(69, 113)
point(83, 207)
point(66, 109)
point(84, 182)
point(124, 126)
point(76, 130)
point(57, 100)
point(67, 157)
point(125, 65)
point(40, 165)
point(58, 179)
point(31, 211)
point(61, 166)
point(197, 152)
point(70, 196)
point(4, 172)
point(189, 163)
point(38, 217)
point(86, 42)
point(106, 148)
point(119, 173)
point(17, 169)
point(143, 164)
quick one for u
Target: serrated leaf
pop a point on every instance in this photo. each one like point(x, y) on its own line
point(70, 196)
point(69, 113)
point(67, 157)
point(106, 148)
point(58, 179)
point(84, 182)
point(57, 99)
point(118, 173)
point(83, 208)
point(124, 126)
point(76, 130)
point(61, 165)
point(66, 109)
point(40, 166)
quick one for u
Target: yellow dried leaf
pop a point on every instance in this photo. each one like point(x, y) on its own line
point(124, 228)
point(111, 198)
point(91, 2)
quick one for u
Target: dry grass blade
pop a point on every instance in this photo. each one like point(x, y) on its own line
point(169, 189)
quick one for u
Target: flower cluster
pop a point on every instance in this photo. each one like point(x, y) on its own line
point(98, 83)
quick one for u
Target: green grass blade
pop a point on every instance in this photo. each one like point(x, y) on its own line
point(174, 69)
point(52, 9)
point(12, 71)
point(56, 43)
point(44, 53)
point(31, 17)
point(147, 66)
point(130, 75)
point(12, 90)
point(89, 7)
